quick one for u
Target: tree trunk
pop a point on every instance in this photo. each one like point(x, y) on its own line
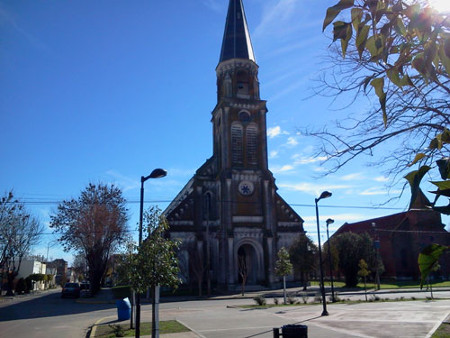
point(284, 289)
point(155, 311)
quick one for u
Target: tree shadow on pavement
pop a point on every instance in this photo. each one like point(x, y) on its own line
point(47, 306)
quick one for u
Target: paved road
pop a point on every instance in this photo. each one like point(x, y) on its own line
point(48, 315)
point(213, 319)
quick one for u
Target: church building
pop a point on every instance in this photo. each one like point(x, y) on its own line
point(229, 217)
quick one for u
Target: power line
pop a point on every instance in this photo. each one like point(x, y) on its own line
point(53, 202)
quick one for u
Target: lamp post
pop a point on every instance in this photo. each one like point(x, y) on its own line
point(376, 244)
point(323, 195)
point(156, 173)
point(330, 221)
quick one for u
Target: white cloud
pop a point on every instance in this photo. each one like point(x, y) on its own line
point(282, 169)
point(353, 177)
point(311, 188)
point(276, 131)
point(214, 5)
point(292, 141)
point(381, 179)
point(273, 154)
point(122, 181)
point(374, 191)
point(300, 159)
point(275, 17)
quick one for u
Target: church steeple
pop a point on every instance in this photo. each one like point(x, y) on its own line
point(236, 42)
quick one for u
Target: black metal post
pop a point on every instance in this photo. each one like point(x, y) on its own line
point(324, 194)
point(376, 244)
point(331, 265)
point(156, 173)
point(138, 295)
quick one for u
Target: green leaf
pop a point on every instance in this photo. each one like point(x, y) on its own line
point(398, 7)
point(357, 14)
point(378, 84)
point(333, 12)
point(400, 27)
point(361, 38)
point(414, 178)
point(442, 185)
point(342, 31)
point(444, 167)
point(440, 140)
point(443, 210)
point(344, 42)
point(445, 192)
point(418, 157)
point(428, 257)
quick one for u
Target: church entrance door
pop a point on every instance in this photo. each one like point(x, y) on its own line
point(247, 264)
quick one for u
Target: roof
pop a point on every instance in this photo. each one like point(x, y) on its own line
point(236, 42)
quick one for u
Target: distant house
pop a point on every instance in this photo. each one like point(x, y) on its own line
point(30, 267)
point(400, 237)
point(61, 270)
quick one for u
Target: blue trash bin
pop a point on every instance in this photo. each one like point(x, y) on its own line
point(123, 309)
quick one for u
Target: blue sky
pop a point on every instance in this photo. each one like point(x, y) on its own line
point(107, 90)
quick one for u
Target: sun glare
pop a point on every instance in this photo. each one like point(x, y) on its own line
point(442, 6)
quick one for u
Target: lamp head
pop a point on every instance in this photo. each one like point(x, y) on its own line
point(156, 173)
point(329, 221)
point(323, 195)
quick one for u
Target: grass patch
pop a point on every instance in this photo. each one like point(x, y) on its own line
point(112, 330)
point(340, 301)
point(388, 285)
point(443, 331)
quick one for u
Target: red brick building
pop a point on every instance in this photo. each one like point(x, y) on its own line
point(400, 238)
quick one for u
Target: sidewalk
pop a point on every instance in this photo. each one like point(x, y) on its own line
point(216, 322)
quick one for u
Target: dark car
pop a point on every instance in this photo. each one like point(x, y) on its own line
point(85, 289)
point(71, 290)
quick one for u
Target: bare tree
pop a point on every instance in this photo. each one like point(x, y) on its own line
point(93, 225)
point(243, 271)
point(19, 231)
point(197, 266)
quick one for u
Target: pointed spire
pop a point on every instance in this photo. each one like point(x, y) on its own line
point(236, 38)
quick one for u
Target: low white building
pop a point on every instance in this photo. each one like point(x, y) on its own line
point(32, 266)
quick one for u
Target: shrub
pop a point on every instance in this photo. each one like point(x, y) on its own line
point(21, 286)
point(276, 301)
point(121, 292)
point(291, 299)
point(260, 300)
point(318, 298)
point(305, 297)
point(29, 283)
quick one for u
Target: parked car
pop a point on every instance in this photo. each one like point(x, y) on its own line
point(71, 290)
point(85, 289)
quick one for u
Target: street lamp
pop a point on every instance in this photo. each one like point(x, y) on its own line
point(330, 221)
point(376, 244)
point(323, 195)
point(156, 173)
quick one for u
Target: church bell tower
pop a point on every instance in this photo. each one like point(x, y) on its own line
point(229, 216)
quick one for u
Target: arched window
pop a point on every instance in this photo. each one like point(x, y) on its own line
point(236, 143)
point(208, 206)
point(243, 88)
point(252, 144)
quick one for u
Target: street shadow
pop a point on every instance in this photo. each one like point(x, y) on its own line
point(48, 305)
point(269, 331)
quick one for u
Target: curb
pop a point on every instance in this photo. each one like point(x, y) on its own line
point(94, 326)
